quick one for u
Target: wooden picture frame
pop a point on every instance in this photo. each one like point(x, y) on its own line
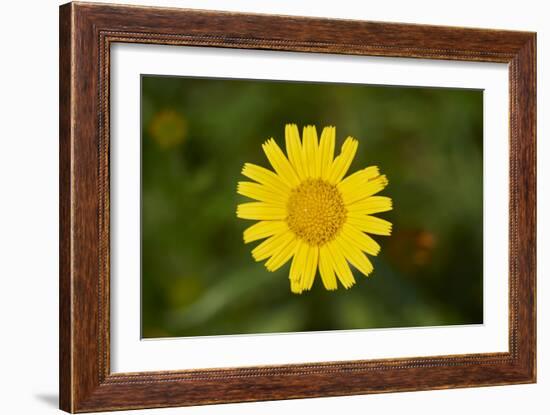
point(86, 33)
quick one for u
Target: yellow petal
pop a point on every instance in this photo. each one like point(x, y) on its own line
point(271, 246)
point(369, 224)
point(373, 204)
point(311, 267)
point(317, 172)
point(294, 150)
point(263, 230)
point(261, 192)
point(340, 265)
point(298, 263)
point(359, 239)
point(295, 287)
point(282, 256)
point(311, 151)
point(359, 178)
point(261, 211)
point(297, 267)
point(326, 150)
point(280, 163)
point(341, 163)
point(363, 191)
point(305, 272)
point(355, 256)
point(326, 269)
point(266, 177)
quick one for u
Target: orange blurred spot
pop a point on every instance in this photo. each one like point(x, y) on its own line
point(425, 239)
point(168, 128)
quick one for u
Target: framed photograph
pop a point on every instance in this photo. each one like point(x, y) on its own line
point(258, 207)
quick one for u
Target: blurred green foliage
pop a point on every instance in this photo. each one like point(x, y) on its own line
point(198, 277)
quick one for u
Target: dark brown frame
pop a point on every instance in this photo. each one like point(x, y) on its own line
point(86, 33)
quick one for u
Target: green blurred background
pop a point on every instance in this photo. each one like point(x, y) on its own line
point(199, 278)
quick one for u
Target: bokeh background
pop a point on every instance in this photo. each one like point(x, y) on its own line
point(198, 277)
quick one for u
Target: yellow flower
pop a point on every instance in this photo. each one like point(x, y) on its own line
point(308, 211)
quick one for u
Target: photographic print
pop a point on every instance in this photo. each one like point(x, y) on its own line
point(280, 207)
point(261, 207)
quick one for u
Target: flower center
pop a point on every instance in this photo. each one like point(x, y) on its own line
point(316, 211)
